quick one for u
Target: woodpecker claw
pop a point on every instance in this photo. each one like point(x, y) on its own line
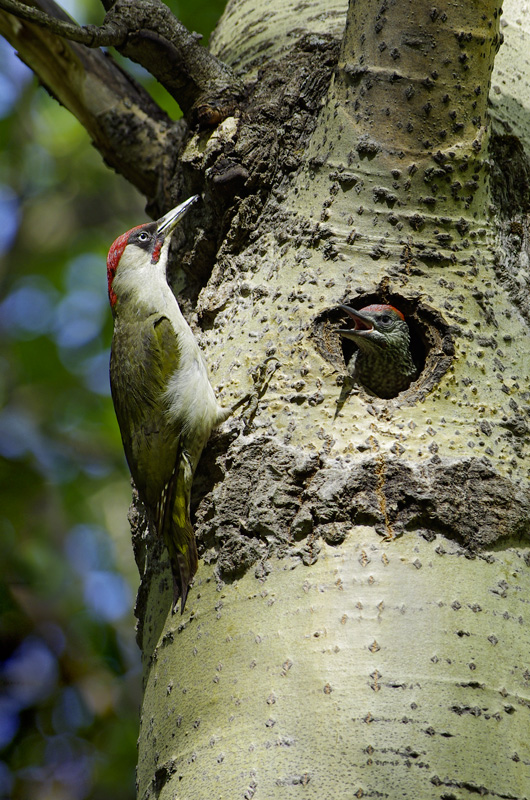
point(261, 376)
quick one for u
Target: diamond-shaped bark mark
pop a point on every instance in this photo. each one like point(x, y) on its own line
point(364, 560)
point(286, 666)
point(374, 647)
point(376, 677)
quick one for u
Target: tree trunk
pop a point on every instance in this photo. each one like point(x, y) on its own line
point(357, 625)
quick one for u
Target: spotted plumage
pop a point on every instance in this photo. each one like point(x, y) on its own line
point(383, 363)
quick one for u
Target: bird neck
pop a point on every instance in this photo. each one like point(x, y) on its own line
point(386, 371)
point(142, 290)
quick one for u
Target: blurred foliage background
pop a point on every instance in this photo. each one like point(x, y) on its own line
point(70, 668)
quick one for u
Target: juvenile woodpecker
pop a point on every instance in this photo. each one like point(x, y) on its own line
point(384, 362)
point(164, 402)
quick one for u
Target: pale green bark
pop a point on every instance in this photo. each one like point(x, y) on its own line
point(510, 82)
point(385, 231)
point(399, 671)
point(343, 644)
point(384, 668)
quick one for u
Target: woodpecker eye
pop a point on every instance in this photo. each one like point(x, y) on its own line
point(385, 319)
point(143, 237)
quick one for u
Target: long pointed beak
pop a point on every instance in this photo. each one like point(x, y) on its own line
point(363, 323)
point(169, 220)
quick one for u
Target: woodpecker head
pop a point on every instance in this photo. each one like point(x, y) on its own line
point(377, 327)
point(138, 258)
point(384, 363)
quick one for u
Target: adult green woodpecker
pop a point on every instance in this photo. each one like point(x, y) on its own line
point(383, 363)
point(164, 402)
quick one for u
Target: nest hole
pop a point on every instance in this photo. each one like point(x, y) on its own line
point(431, 344)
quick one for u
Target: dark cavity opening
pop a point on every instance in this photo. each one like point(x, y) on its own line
point(431, 344)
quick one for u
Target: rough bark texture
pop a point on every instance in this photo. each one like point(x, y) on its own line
point(204, 86)
point(353, 672)
point(358, 622)
point(133, 134)
point(378, 672)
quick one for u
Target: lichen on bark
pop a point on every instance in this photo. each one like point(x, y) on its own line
point(352, 175)
point(359, 609)
point(356, 171)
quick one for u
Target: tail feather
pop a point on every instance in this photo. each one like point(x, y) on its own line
point(184, 561)
point(177, 531)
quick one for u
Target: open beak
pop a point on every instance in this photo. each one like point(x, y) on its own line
point(363, 324)
point(169, 220)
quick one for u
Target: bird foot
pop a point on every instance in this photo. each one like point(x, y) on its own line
point(261, 376)
point(348, 387)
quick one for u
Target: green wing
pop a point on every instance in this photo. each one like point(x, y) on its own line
point(175, 526)
point(140, 368)
point(144, 356)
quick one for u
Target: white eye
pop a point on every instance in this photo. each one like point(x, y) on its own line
point(143, 237)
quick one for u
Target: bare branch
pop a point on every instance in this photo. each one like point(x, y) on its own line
point(148, 33)
point(90, 35)
point(199, 81)
point(130, 130)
